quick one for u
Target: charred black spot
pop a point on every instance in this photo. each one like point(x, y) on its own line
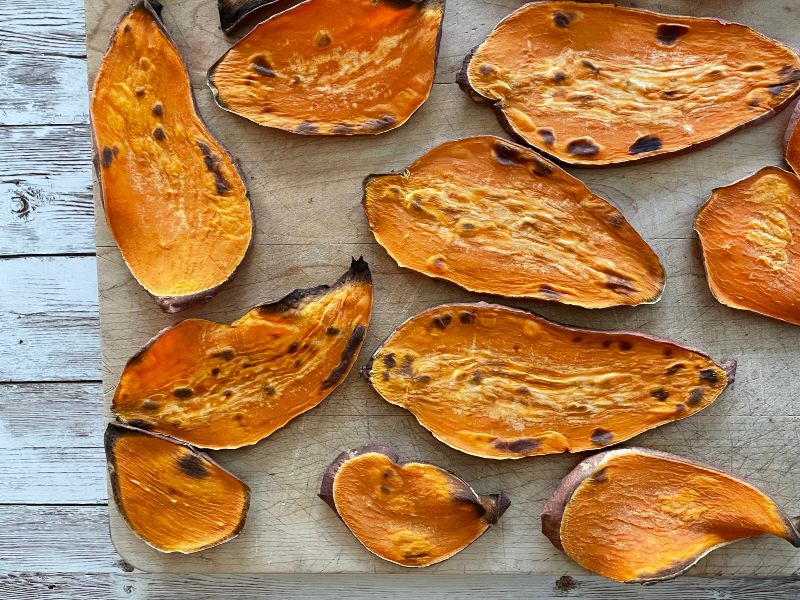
point(467, 226)
point(523, 390)
point(583, 147)
point(549, 293)
point(158, 109)
point(668, 34)
point(674, 369)
point(548, 136)
point(292, 348)
point(323, 40)
point(407, 369)
point(753, 68)
point(213, 164)
point(140, 424)
point(423, 379)
point(562, 19)
point(625, 345)
point(107, 156)
point(389, 360)
point(695, 396)
point(577, 339)
point(342, 129)
point(192, 465)
point(269, 390)
point(386, 376)
point(486, 69)
point(680, 408)
point(227, 393)
point(521, 446)
point(646, 143)
point(139, 92)
point(606, 343)
point(127, 27)
point(541, 168)
point(306, 128)
point(600, 476)
point(709, 375)
point(776, 90)
point(591, 66)
point(559, 77)
point(789, 74)
point(668, 352)
point(442, 321)
point(660, 394)
point(385, 490)
point(332, 331)
point(158, 133)
point(348, 355)
point(378, 124)
point(387, 473)
point(225, 353)
point(297, 363)
point(477, 377)
point(215, 371)
point(262, 67)
point(601, 437)
point(297, 79)
point(150, 404)
point(183, 392)
point(506, 155)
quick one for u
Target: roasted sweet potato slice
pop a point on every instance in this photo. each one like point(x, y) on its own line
point(413, 514)
point(499, 382)
point(173, 197)
point(793, 141)
point(597, 84)
point(494, 217)
point(333, 67)
point(749, 232)
point(215, 385)
point(643, 516)
point(172, 496)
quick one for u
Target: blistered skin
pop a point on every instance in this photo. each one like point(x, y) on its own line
point(216, 385)
point(501, 383)
point(333, 67)
point(750, 234)
point(598, 84)
point(640, 516)
point(173, 199)
point(173, 497)
point(414, 514)
point(494, 217)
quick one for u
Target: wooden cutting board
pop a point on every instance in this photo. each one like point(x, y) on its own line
point(306, 193)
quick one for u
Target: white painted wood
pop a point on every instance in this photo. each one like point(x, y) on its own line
point(306, 196)
point(48, 319)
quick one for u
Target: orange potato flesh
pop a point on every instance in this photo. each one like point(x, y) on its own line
point(598, 84)
point(226, 386)
point(173, 199)
point(749, 232)
point(333, 67)
point(501, 383)
point(411, 514)
point(494, 217)
point(173, 497)
point(793, 141)
point(643, 517)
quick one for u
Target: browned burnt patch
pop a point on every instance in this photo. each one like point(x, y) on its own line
point(709, 376)
point(192, 465)
point(563, 19)
point(159, 134)
point(442, 321)
point(262, 67)
point(585, 146)
point(306, 128)
point(466, 317)
point(675, 369)
point(213, 165)
point(331, 331)
point(378, 124)
point(601, 437)
point(106, 156)
point(521, 446)
point(348, 355)
point(547, 135)
point(183, 392)
point(549, 293)
point(668, 34)
point(660, 394)
point(646, 143)
point(158, 109)
point(695, 397)
point(600, 476)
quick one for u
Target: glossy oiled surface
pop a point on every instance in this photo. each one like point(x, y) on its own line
point(333, 67)
point(411, 514)
point(495, 217)
point(173, 497)
point(503, 383)
point(174, 201)
point(224, 386)
point(307, 193)
point(750, 233)
point(640, 516)
point(597, 84)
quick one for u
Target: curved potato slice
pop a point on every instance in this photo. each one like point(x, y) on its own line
point(597, 84)
point(172, 496)
point(750, 234)
point(225, 386)
point(333, 67)
point(793, 141)
point(500, 382)
point(494, 217)
point(173, 196)
point(638, 515)
point(412, 514)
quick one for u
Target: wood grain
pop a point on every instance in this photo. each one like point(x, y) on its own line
point(306, 197)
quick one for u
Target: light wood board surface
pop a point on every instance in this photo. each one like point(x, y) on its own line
point(306, 196)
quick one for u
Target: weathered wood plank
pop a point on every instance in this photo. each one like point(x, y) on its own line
point(142, 586)
point(46, 190)
point(48, 319)
point(42, 62)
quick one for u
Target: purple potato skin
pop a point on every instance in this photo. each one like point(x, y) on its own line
point(492, 505)
point(553, 509)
